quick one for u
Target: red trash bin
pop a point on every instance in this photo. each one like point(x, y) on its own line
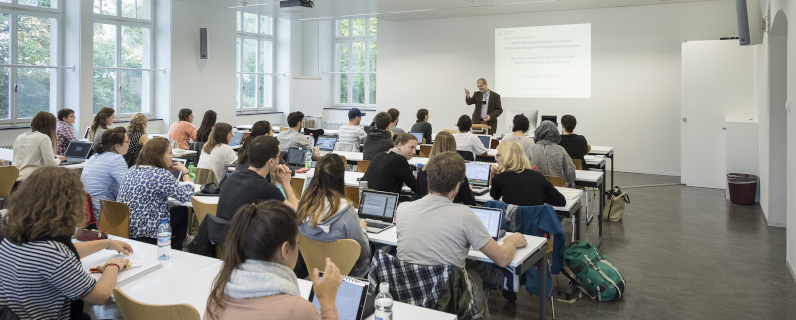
point(743, 187)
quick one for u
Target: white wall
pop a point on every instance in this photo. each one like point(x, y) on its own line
point(635, 72)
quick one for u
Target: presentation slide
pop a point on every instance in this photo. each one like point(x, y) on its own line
point(543, 62)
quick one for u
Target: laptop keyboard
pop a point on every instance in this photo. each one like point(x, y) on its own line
point(377, 225)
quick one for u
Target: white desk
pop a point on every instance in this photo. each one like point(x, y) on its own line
point(608, 152)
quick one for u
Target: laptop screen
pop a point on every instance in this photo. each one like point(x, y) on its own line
point(295, 156)
point(367, 129)
point(236, 138)
point(491, 219)
point(477, 173)
point(419, 136)
point(485, 140)
point(326, 143)
point(378, 205)
point(77, 149)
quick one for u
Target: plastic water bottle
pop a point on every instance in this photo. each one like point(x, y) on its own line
point(164, 240)
point(192, 170)
point(312, 140)
point(308, 159)
point(234, 129)
point(418, 167)
point(384, 303)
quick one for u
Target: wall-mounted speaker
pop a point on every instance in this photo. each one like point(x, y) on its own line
point(750, 22)
point(203, 43)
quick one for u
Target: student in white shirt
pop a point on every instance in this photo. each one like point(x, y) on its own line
point(466, 141)
point(36, 148)
point(217, 155)
point(351, 133)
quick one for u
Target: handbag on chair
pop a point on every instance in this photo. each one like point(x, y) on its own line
point(615, 206)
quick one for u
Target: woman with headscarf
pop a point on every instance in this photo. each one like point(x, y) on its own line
point(549, 158)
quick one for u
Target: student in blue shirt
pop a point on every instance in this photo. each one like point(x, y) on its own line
point(105, 170)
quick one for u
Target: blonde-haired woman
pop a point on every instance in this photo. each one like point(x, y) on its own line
point(517, 184)
point(136, 132)
point(443, 142)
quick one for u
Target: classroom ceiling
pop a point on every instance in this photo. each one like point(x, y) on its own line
point(419, 9)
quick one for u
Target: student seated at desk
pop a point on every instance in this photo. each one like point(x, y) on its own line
point(64, 131)
point(257, 280)
point(389, 171)
point(326, 215)
point(520, 126)
point(146, 189)
point(351, 132)
point(575, 144)
point(248, 185)
point(136, 133)
point(379, 139)
point(208, 121)
point(517, 184)
point(217, 155)
point(444, 142)
point(451, 229)
point(466, 141)
point(105, 170)
point(549, 158)
point(183, 131)
point(259, 128)
point(41, 276)
point(422, 125)
point(394, 114)
point(293, 138)
point(36, 148)
point(104, 118)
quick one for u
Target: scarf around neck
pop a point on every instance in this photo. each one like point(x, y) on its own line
point(257, 278)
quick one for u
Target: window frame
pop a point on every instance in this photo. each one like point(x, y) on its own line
point(120, 22)
point(14, 9)
point(241, 35)
point(350, 39)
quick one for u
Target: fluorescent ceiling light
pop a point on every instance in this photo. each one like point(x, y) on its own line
point(356, 15)
point(421, 10)
point(316, 18)
point(528, 2)
point(254, 5)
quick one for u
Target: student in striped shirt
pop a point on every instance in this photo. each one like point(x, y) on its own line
point(41, 276)
point(105, 170)
point(351, 133)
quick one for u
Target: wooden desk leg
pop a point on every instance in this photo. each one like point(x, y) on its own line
point(542, 266)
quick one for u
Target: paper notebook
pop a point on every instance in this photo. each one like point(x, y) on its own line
point(139, 269)
point(569, 194)
point(350, 301)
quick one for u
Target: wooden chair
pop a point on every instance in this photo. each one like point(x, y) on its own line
point(8, 176)
point(201, 209)
point(298, 186)
point(588, 149)
point(425, 151)
point(344, 253)
point(451, 131)
point(493, 144)
point(114, 218)
point(362, 166)
point(205, 176)
point(345, 162)
point(578, 164)
point(352, 194)
point(134, 310)
point(556, 181)
point(283, 129)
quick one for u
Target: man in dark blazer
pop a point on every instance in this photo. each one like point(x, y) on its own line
point(493, 109)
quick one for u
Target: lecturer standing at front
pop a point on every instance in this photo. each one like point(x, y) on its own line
point(485, 97)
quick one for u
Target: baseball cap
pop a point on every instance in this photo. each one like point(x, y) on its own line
point(354, 112)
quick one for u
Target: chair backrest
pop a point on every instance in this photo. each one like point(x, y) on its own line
point(578, 164)
point(282, 129)
point(7, 314)
point(114, 218)
point(362, 166)
point(352, 194)
point(345, 162)
point(201, 209)
point(205, 176)
point(134, 310)
point(345, 146)
point(298, 186)
point(467, 155)
point(451, 131)
point(425, 151)
point(344, 253)
point(556, 181)
point(588, 148)
point(315, 133)
point(8, 176)
point(493, 144)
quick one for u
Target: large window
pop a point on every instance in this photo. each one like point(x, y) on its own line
point(255, 62)
point(355, 62)
point(123, 55)
point(29, 33)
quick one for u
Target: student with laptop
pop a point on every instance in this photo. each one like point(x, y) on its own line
point(394, 114)
point(36, 148)
point(104, 118)
point(379, 139)
point(452, 229)
point(550, 158)
point(351, 132)
point(390, 170)
point(422, 125)
point(216, 154)
point(520, 127)
point(326, 215)
point(293, 138)
point(445, 142)
point(576, 145)
point(517, 184)
point(257, 281)
point(208, 121)
point(105, 170)
point(64, 131)
point(466, 141)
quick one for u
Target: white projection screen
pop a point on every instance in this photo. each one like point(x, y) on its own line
point(544, 61)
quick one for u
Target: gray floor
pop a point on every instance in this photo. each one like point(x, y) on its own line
point(686, 253)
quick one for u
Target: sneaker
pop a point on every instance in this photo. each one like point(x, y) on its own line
point(511, 282)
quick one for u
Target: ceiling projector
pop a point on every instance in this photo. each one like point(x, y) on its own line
point(296, 3)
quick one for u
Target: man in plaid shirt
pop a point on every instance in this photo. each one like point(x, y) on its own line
point(451, 229)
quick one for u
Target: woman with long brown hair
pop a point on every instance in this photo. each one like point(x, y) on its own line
point(444, 142)
point(326, 215)
point(40, 272)
point(36, 148)
point(208, 121)
point(257, 279)
point(104, 118)
point(136, 132)
point(260, 128)
point(217, 155)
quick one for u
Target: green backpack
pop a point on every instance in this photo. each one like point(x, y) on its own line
point(595, 272)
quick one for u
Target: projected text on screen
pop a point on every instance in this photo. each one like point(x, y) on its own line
point(543, 62)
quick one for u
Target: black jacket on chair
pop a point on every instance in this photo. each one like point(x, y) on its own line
point(377, 141)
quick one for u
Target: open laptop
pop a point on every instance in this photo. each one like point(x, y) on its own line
point(295, 158)
point(85, 135)
point(419, 136)
point(478, 175)
point(378, 209)
point(485, 139)
point(550, 118)
point(491, 217)
point(326, 143)
point(77, 152)
point(236, 138)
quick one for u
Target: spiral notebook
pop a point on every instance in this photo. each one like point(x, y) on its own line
point(350, 301)
point(139, 269)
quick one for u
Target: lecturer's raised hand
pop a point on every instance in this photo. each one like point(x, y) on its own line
point(467, 93)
